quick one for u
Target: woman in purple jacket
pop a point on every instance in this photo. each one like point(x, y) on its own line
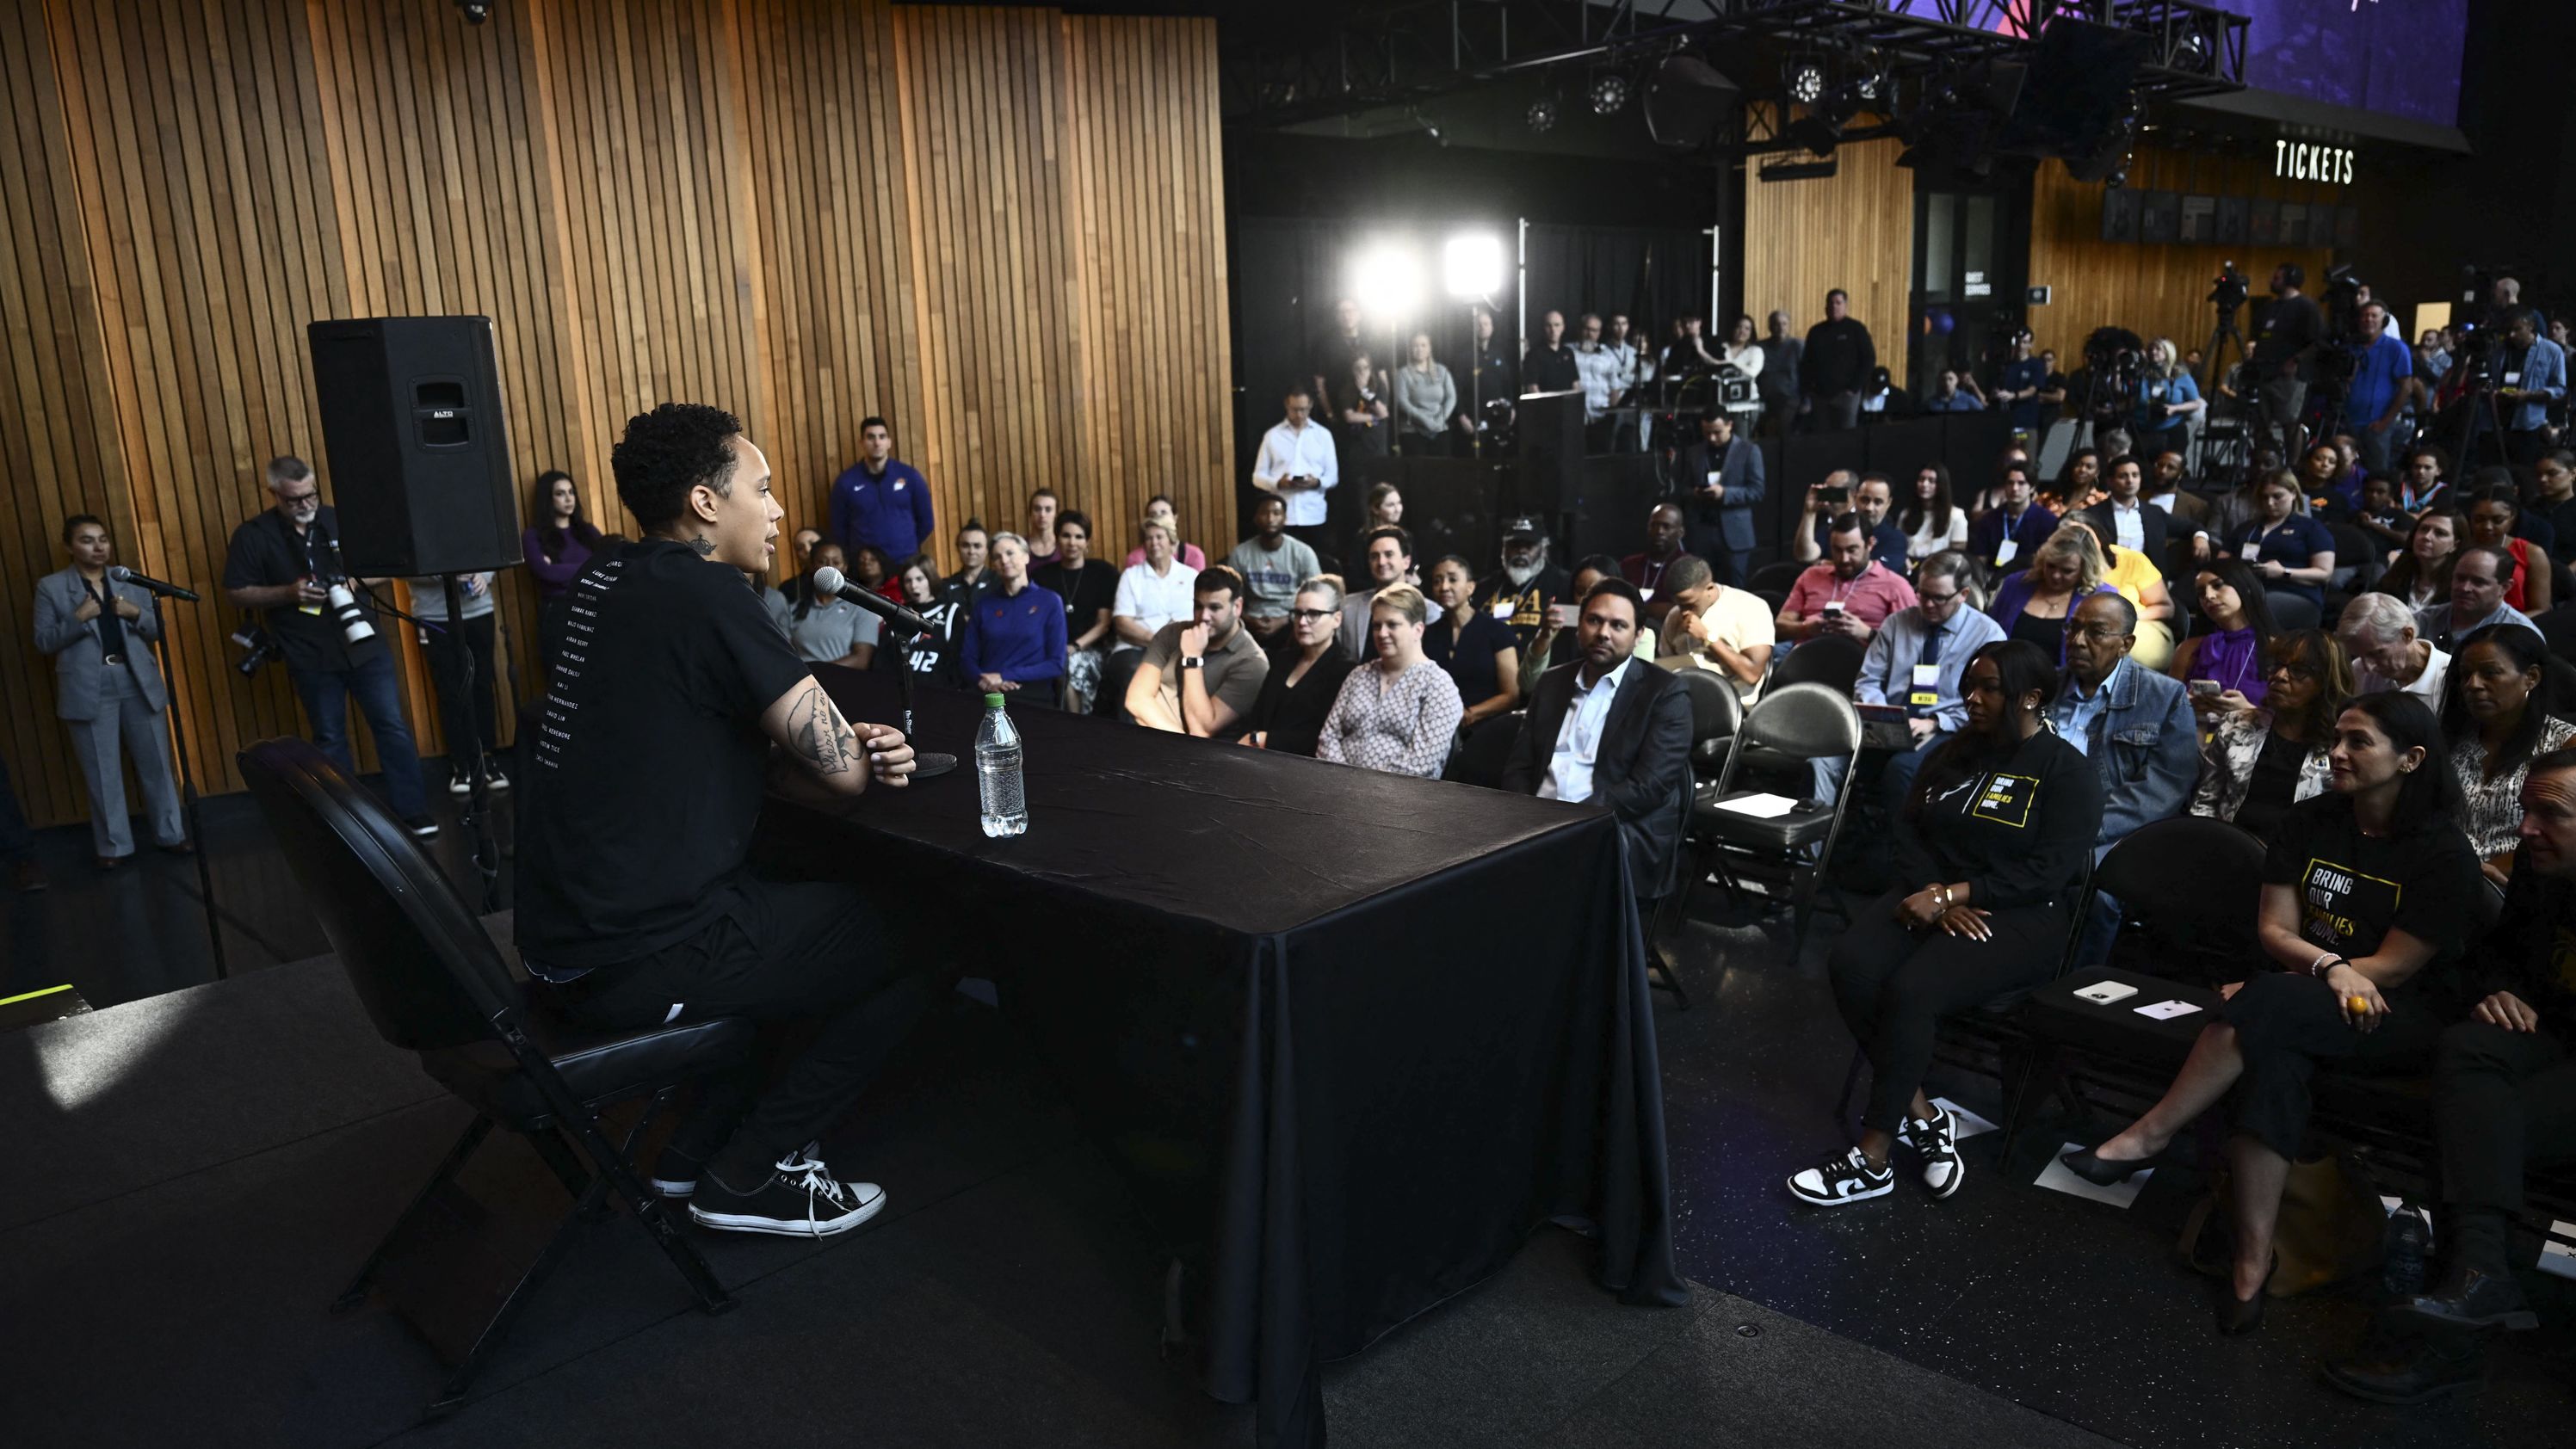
point(556, 551)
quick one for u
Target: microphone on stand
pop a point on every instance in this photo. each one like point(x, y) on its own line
point(123, 575)
point(904, 626)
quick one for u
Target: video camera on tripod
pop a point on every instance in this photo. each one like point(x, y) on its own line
point(2229, 291)
point(2115, 361)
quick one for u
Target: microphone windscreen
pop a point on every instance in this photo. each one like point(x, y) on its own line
point(827, 580)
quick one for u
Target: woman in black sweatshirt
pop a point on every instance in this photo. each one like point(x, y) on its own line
point(1990, 848)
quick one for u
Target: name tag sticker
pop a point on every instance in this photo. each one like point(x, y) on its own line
point(2513, 379)
point(1503, 608)
point(2252, 552)
point(2005, 550)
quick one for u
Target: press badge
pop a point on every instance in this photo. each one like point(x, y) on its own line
point(2006, 800)
point(2251, 551)
point(1927, 686)
point(2513, 379)
point(2005, 550)
point(1505, 608)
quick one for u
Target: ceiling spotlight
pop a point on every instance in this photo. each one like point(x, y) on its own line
point(1869, 75)
point(2191, 52)
point(1542, 114)
point(1609, 93)
point(2119, 176)
point(475, 11)
point(1806, 81)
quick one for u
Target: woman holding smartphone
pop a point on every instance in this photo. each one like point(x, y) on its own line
point(2223, 665)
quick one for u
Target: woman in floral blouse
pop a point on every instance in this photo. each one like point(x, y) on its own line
point(1401, 712)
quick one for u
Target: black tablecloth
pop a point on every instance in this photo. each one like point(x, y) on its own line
point(1352, 1036)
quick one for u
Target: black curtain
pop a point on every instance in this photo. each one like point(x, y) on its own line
point(1652, 275)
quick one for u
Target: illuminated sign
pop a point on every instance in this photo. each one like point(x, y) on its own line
point(2299, 161)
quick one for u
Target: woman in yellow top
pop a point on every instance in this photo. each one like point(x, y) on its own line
point(2140, 582)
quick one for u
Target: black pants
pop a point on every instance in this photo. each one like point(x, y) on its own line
point(465, 715)
point(2501, 1100)
point(1894, 986)
point(2286, 1025)
point(813, 965)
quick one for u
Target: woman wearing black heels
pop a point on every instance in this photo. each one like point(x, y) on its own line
point(2368, 892)
point(1998, 829)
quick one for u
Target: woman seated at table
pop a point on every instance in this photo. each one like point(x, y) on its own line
point(1990, 846)
point(2143, 584)
point(1299, 692)
point(2422, 574)
point(2032, 605)
point(2258, 762)
point(2293, 553)
point(1480, 652)
point(2228, 652)
point(2368, 895)
point(2494, 720)
point(1401, 713)
point(1014, 640)
point(2493, 512)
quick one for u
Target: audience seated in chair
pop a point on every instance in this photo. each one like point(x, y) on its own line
point(2134, 724)
point(2378, 632)
point(1477, 649)
point(1915, 660)
point(1616, 729)
point(1850, 594)
point(1591, 569)
point(2257, 763)
point(1399, 712)
point(2032, 605)
point(1720, 628)
point(2004, 537)
point(1991, 848)
point(1014, 641)
point(2504, 1100)
point(1273, 565)
point(2420, 577)
point(2368, 893)
point(2493, 723)
point(1201, 677)
point(1386, 551)
point(2479, 576)
point(2226, 664)
point(2139, 581)
point(1299, 692)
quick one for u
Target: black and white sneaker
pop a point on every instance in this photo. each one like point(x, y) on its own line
point(1842, 1179)
point(493, 779)
point(675, 1173)
point(1937, 1141)
point(800, 1199)
point(421, 827)
point(460, 781)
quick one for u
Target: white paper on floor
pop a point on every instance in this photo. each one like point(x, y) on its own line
point(2058, 1178)
point(2557, 1256)
point(1970, 1124)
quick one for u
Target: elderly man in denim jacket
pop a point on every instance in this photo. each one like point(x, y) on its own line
point(2133, 723)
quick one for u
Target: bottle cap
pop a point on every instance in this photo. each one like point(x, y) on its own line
point(993, 700)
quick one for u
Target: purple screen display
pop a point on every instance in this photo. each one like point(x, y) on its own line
point(2396, 57)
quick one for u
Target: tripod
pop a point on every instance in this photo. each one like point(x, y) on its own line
point(2211, 368)
point(196, 827)
point(477, 816)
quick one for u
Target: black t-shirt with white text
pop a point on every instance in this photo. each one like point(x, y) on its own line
point(2354, 888)
point(650, 762)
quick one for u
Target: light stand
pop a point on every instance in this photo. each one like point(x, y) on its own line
point(926, 764)
point(196, 827)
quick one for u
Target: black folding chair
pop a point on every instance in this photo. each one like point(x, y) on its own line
point(1828, 659)
point(1716, 714)
point(434, 984)
point(1671, 909)
point(1780, 575)
point(1784, 853)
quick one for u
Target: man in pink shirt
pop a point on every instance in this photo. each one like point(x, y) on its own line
point(1848, 593)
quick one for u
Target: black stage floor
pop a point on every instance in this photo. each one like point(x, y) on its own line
point(197, 1171)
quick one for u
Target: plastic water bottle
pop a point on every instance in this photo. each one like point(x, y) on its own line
point(997, 771)
point(2410, 1242)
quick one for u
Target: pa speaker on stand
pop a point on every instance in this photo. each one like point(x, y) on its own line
point(419, 454)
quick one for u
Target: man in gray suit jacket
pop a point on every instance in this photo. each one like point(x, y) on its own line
point(108, 689)
point(1615, 729)
point(1717, 481)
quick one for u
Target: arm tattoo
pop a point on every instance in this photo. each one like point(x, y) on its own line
point(819, 736)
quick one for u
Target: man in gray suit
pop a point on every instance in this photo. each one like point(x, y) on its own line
point(108, 689)
point(1717, 482)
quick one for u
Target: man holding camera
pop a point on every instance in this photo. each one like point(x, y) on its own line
point(286, 563)
point(2287, 337)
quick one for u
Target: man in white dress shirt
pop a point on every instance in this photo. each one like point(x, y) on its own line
point(1297, 463)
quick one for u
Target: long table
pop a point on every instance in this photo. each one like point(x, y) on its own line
point(1352, 1037)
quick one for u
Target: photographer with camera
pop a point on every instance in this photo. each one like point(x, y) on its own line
point(2533, 380)
point(2284, 343)
point(286, 563)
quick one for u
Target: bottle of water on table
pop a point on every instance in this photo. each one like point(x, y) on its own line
point(997, 771)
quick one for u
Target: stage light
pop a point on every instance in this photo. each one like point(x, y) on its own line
point(1806, 81)
point(1542, 114)
point(2191, 52)
point(1471, 266)
point(475, 11)
point(1387, 281)
point(1609, 93)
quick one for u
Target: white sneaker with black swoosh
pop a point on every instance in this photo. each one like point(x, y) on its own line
point(1937, 1142)
point(1842, 1179)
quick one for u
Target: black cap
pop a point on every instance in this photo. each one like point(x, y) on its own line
point(1522, 527)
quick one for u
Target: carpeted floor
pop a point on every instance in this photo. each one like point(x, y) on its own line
point(198, 1172)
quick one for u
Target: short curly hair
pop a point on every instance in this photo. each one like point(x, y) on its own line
point(668, 451)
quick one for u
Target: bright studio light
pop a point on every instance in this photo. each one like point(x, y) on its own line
point(1471, 266)
point(1387, 281)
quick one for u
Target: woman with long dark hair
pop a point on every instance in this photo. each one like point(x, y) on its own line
point(557, 549)
point(1930, 520)
point(2494, 510)
point(2422, 574)
point(2079, 483)
point(2228, 651)
point(2257, 763)
point(2368, 895)
point(1990, 845)
point(2495, 721)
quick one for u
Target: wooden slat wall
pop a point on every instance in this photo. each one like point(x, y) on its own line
point(1853, 230)
point(1001, 229)
point(2154, 291)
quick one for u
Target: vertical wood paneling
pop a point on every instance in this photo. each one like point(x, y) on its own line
point(2154, 291)
point(1853, 230)
point(1001, 229)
